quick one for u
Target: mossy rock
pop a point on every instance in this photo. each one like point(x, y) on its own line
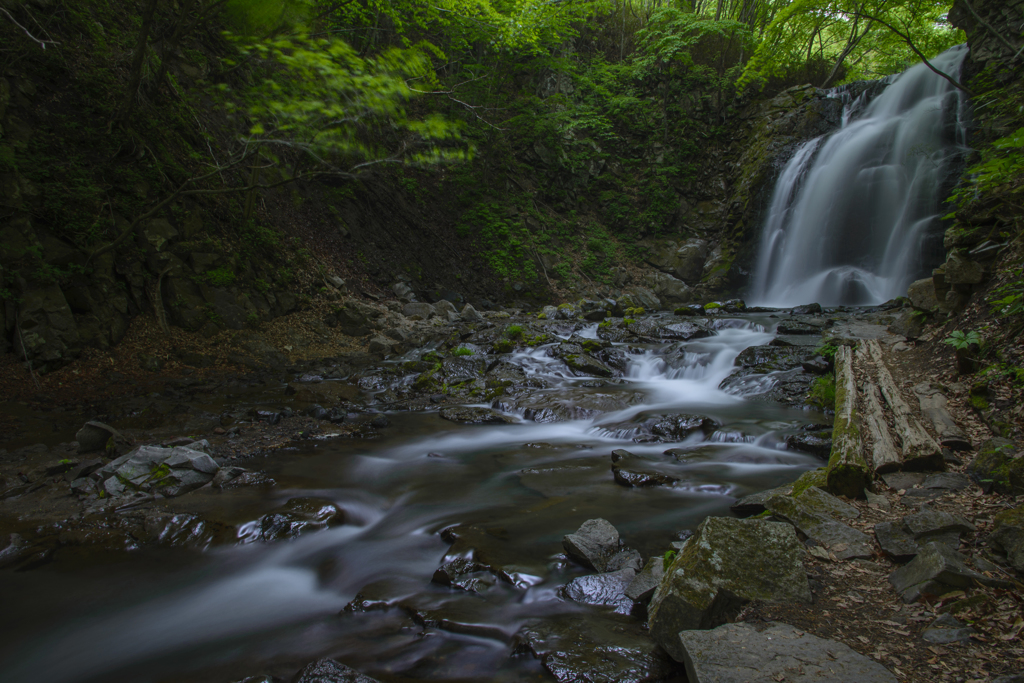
point(997, 469)
point(808, 479)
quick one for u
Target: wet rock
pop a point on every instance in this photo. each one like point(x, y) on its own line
point(639, 478)
point(593, 544)
point(998, 467)
point(471, 416)
point(459, 573)
point(247, 478)
point(815, 443)
point(225, 475)
point(95, 436)
point(1008, 536)
point(753, 504)
point(726, 563)
point(576, 648)
point(806, 309)
point(765, 359)
point(643, 585)
point(570, 404)
point(298, 516)
point(842, 540)
point(330, 671)
point(936, 570)
point(603, 590)
point(766, 653)
point(178, 482)
point(797, 327)
point(655, 329)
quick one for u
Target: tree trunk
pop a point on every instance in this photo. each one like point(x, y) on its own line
point(128, 104)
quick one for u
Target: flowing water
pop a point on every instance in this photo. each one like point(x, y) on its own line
point(855, 216)
point(179, 615)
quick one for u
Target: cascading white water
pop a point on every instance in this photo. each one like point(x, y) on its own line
point(851, 211)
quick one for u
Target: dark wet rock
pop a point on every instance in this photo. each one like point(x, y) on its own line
point(643, 585)
point(581, 648)
point(95, 436)
point(458, 369)
point(255, 479)
point(815, 443)
point(298, 516)
point(842, 540)
point(271, 417)
point(657, 329)
point(797, 327)
point(936, 570)
point(472, 416)
point(169, 471)
point(659, 428)
point(577, 403)
point(725, 564)
point(807, 309)
point(638, 478)
point(380, 421)
point(226, 475)
point(464, 573)
point(765, 359)
point(998, 468)
point(330, 671)
point(815, 366)
point(1008, 536)
point(753, 504)
point(593, 544)
point(770, 652)
point(603, 590)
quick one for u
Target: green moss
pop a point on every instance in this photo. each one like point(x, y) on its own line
point(514, 332)
point(503, 346)
point(808, 479)
point(712, 305)
point(591, 345)
point(462, 351)
point(823, 393)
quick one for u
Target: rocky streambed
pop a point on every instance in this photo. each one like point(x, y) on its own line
point(516, 497)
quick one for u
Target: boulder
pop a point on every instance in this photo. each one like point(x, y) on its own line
point(807, 309)
point(999, 467)
point(725, 564)
point(380, 344)
point(643, 585)
point(904, 539)
point(470, 314)
point(595, 544)
point(95, 436)
point(671, 291)
point(937, 570)
point(770, 652)
point(753, 504)
point(1008, 536)
point(424, 311)
point(329, 671)
point(960, 270)
point(922, 294)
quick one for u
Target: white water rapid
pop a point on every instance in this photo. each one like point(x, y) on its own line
point(852, 213)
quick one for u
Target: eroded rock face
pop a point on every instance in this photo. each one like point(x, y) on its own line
point(49, 334)
point(749, 653)
point(726, 563)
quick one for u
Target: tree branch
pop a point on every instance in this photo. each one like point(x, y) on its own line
point(910, 44)
point(42, 43)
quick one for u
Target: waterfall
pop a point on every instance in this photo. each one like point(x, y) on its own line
point(855, 214)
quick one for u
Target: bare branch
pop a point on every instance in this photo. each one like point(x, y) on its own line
point(42, 43)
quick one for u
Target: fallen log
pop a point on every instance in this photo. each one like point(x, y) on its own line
point(885, 457)
point(847, 473)
point(920, 450)
point(933, 405)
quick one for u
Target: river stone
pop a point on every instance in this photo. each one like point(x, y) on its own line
point(844, 541)
point(766, 653)
point(572, 404)
point(725, 564)
point(639, 478)
point(474, 416)
point(603, 590)
point(765, 359)
point(470, 314)
point(937, 569)
point(806, 309)
point(94, 436)
point(188, 458)
point(1008, 536)
point(580, 648)
point(298, 516)
point(458, 369)
point(998, 467)
point(753, 504)
point(643, 585)
point(181, 481)
point(329, 671)
point(424, 311)
point(815, 443)
point(593, 544)
point(797, 327)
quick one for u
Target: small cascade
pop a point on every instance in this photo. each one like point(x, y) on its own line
point(855, 215)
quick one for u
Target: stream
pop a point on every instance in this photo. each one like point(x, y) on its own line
point(512, 492)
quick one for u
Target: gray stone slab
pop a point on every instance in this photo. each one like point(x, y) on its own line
point(827, 504)
point(593, 543)
point(949, 481)
point(842, 540)
point(937, 566)
point(745, 653)
point(927, 522)
point(945, 636)
point(904, 480)
point(896, 542)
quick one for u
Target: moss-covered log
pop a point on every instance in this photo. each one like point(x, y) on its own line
point(847, 472)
